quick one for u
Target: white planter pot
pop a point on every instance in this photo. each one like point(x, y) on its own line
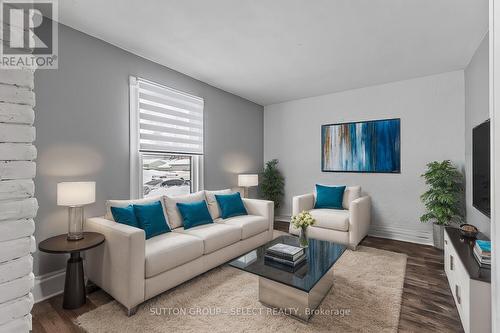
point(438, 235)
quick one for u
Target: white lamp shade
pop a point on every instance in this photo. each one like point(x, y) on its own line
point(248, 180)
point(75, 193)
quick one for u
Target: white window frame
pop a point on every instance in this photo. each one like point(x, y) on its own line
point(136, 156)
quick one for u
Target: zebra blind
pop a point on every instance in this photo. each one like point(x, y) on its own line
point(169, 120)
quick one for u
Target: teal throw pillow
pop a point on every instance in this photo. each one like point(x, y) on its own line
point(194, 213)
point(151, 219)
point(125, 215)
point(230, 205)
point(329, 196)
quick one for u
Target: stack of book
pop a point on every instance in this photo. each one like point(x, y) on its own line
point(482, 253)
point(285, 255)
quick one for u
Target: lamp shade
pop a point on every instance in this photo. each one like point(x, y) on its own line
point(75, 193)
point(248, 180)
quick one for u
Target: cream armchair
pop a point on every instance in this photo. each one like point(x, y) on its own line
point(345, 226)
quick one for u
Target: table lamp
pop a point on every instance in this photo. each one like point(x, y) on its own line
point(75, 195)
point(246, 181)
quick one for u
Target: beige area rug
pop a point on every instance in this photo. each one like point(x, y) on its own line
point(366, 297)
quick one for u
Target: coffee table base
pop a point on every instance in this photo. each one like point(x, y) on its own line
point(293, 301)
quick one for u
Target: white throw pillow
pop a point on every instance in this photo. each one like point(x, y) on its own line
point(351, 193)
point(125, 203)
point(213, 206)
point(174, 216)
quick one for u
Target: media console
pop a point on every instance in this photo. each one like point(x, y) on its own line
point(469, 283)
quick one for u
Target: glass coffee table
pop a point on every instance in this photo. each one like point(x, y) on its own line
point(300, 292)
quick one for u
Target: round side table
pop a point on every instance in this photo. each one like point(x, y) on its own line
point(74, 285)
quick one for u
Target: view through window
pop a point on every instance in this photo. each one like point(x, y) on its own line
point(166, 174)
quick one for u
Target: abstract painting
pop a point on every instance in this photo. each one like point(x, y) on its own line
point(366, 146)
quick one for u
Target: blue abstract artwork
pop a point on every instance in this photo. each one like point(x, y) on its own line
point(367, 146)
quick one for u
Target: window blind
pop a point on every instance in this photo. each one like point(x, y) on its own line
point(169, 120)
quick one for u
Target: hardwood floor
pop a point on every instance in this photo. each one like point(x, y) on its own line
point(428, 305)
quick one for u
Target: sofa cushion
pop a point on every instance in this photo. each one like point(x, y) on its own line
point(170, 250)
point(215, 236)
point(335, 219)
point(213, 206)
point(174, 216)
point(250, 225)
point(125, 203)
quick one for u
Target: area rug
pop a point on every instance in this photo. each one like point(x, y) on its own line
point(366, 297)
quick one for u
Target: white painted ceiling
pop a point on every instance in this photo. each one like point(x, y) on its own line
point(270, 51)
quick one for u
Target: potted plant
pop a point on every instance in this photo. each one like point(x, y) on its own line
point(273, 183)
point(301, 221)
point(443, 199)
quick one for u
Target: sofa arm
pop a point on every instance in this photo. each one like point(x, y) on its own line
point(117, 266)
point(263, 208)
point(302, 203)
point(360, 218)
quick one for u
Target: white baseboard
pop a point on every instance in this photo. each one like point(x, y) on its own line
point(282, 218)
point(49, 285)
point(401, 233)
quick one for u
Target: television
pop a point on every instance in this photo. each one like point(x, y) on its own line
point(481, 167)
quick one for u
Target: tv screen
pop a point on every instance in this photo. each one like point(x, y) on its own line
point(481, 167)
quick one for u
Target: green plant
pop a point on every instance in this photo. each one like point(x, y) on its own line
point(273, 183)
point(443, 199)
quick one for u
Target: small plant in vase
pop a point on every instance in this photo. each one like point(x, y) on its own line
point(301, 221)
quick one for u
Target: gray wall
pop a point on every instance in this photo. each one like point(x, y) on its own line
point(432, 128)
point(82, 121)
point(476, 111)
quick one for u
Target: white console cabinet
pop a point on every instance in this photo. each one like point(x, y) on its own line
point(469, 284)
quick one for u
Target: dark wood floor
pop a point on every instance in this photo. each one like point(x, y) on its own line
point(428, 305)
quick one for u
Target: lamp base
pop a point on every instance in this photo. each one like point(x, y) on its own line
point(75, 223)
point(74, 237)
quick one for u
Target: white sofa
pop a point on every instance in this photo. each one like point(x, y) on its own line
point(345, 226)
point(133, 269)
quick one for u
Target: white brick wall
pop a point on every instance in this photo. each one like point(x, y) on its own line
point(18, 206)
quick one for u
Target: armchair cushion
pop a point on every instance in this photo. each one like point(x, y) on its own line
point(351, 193)
point(334, 219)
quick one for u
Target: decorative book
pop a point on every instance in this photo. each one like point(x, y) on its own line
point(285, 251)
point(483, 246)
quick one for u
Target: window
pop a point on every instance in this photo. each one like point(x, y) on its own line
point(166, 140)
